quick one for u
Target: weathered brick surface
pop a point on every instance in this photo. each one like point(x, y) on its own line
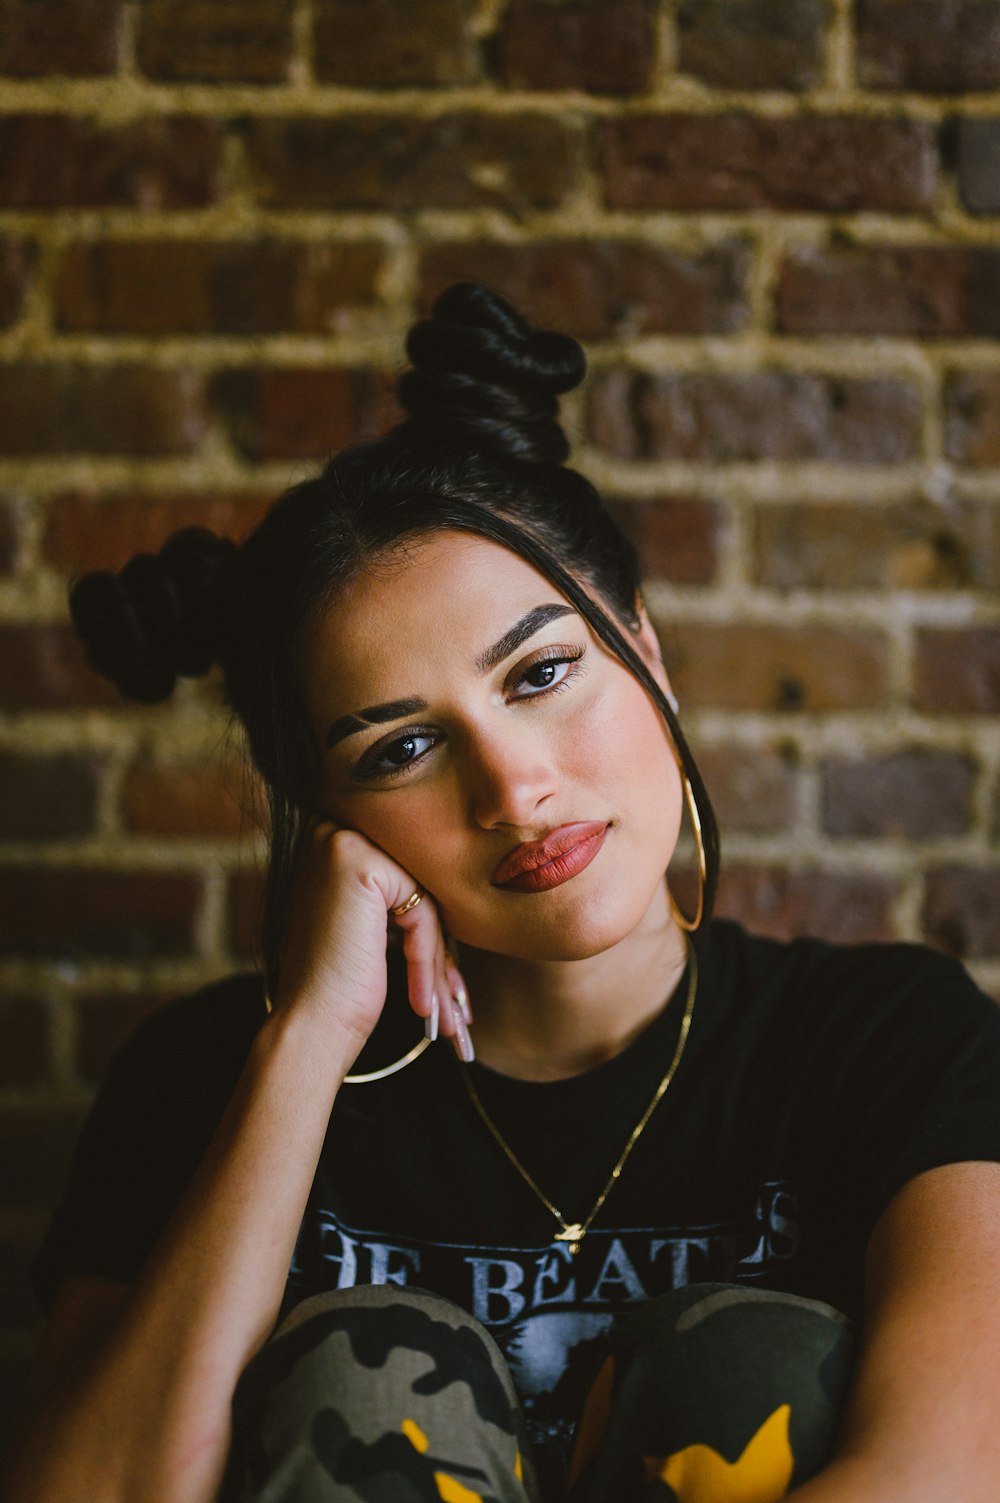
point(103, 1023)
point(215, 40)
point(979, 164)
point(46, 797)
point(92, 911)
point(961, 911)
point(957, 670)
point(829, 164)
point(90, 531)
point(55, 408)
point(848, 907)
point(17, 259)
point(592, 288)
point(68, 162)
point(677, 536)
point(186, 799)
point(904, 290)
point(395, 43)
point(302, 413)
point(577, 44)
point(43, 667)
point(936, 46)
point(10, 534)
point(756, 666)
point(915, 793)
point(972, 417)
point(768, 415)
point(214, 287)
point(743, 44)
point(74, 38)
point(25, 1051)
point(913, 545)
point(753, 789)
point(455, 161)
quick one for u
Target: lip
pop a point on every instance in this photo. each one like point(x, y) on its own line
point(538, 865)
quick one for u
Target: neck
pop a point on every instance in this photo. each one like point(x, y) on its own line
point(545, 1020)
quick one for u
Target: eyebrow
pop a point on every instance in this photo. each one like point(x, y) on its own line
point(397, 709)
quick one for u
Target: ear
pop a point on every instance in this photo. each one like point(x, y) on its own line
point(649, 646)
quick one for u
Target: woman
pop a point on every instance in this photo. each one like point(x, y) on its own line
point(613, 1249)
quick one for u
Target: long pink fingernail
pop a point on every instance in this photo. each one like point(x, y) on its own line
point(462, 1040)
point(431, 1023)
point(462, 998)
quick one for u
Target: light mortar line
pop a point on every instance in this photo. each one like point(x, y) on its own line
point(840, 69)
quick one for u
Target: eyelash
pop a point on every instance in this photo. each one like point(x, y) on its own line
point(368, 770)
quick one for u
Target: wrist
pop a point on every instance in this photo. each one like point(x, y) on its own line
point(322, 1042)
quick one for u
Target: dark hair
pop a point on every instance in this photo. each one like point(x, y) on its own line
point(481, 451)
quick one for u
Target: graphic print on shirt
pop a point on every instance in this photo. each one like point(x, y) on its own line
point(548, 1310)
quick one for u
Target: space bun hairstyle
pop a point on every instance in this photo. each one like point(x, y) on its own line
point(480, 450)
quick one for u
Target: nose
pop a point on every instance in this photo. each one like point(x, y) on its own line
point(510, 779)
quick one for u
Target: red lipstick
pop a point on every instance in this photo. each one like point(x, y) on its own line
point(538, 865)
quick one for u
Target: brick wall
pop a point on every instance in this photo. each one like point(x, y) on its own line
point(774, 223)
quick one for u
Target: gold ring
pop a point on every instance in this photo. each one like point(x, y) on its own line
point(408, 906)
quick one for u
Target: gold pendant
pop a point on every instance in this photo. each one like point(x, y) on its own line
point(573, 1235)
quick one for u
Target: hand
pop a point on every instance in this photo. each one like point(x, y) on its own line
point(334, 955)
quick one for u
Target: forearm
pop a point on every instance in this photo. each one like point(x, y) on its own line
point(149, 1416)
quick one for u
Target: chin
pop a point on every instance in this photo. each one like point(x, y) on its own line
point(557, 931)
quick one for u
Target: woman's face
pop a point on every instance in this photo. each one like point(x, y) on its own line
point(466, 713)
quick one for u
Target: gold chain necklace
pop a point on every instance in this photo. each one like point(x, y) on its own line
point(574, 1232)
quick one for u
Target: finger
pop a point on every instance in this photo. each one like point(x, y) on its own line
point(448, 1024)
point(421, 936)
point(457, 987)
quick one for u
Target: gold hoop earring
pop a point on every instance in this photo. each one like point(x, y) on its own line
point(688, 925)
point(373, 1075)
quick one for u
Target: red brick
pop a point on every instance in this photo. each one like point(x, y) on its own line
point(215, 41)
point(935, 46)
point(832, 163)
point(742, 44)
point(64, 161)
point(972, 417)
point(17, 263)
point(75, 38)
point(46, 797)
point(90, 531)
point(24, 1042)
point(592, 288)
point(759, 666)
point(577, 44)
point(931, 292)
point(43, 668)
point(677, 537)
point(303, 414)
point(11, 511)
point(753, 789)
point(961, 912)
point(456, 161)
point(845, 907)
point(201, 799)
point(244, 913)
point(214, 287)
point(911, 546)
point(978, 143)
point(766, 415)
point(916, 794)
point(957, 671)
point(103, 1023)
point(37, 1146)
point(394, 43)
point(73, 911)
point(50, 408)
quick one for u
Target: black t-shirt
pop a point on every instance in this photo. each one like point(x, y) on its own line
point(816, 1080)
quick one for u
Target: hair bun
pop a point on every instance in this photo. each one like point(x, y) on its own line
point(479, 365)
point(158, 617)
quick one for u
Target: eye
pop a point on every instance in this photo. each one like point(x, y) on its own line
point(389, 758)
point(545, 674)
